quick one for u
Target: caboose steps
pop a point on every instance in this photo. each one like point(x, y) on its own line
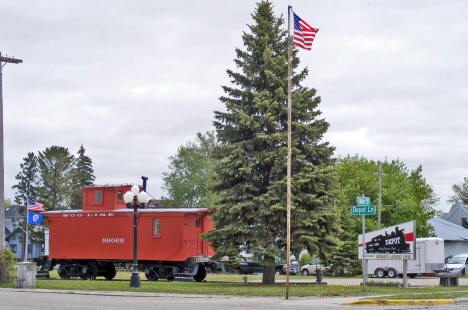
point(184, 277)
point(42, 275)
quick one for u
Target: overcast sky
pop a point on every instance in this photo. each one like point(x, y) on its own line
point(134, 80)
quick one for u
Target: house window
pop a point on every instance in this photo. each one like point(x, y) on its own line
point(42, 247)
point(13, 248)
point(98, 196)
point(29, 249)
point(119, 195)
point(156, 226)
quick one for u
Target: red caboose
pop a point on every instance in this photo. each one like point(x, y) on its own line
point(89, 242)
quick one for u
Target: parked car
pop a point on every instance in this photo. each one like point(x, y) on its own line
point(294, 268)
point(249, 267)
point(312, 267)
point(457, 263)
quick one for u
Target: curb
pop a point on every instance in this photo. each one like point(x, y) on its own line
point(401, 302)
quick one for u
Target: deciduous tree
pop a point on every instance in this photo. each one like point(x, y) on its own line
point(191, 176)
point(406, 196)
point(460, 193)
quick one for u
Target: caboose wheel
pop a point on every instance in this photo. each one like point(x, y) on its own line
point(110, 272)
point(151, 274)
point(201, 274)
point(90, 272)
point(64, 271)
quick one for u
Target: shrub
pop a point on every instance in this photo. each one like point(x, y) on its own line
point(6, 265)
point(305, 259)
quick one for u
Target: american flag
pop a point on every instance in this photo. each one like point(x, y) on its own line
point(303, 33)
point(35, 206)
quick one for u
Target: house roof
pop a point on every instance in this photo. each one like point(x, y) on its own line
point(448, 230)
point(9, 225)
point(454, 209)
point(13, 212)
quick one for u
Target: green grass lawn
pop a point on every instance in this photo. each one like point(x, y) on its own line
point(223, 284)
point(231, 284)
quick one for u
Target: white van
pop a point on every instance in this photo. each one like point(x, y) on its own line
point(429, 257)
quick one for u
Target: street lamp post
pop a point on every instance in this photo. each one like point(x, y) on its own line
point(142, 197)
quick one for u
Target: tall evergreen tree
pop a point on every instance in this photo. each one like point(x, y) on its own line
point(28, 180)
point(250, 215)
point(83, 175)
point(26, 188)
point(56, 166)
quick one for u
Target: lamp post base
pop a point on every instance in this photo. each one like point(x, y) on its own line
point(135, 280)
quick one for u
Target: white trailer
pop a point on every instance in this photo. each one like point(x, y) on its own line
point(429, 257)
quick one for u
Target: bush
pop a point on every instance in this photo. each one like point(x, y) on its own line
point(6, 265)
point(305, 259)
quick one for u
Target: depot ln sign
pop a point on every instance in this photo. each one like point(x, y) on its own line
point(363, 210)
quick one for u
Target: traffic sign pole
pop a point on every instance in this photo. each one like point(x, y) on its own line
point(363, 208)
point(364, 265)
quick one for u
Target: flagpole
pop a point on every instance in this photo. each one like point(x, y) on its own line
point(288, 217)
point(27, 232)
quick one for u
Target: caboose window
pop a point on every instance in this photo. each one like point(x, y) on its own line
point(119, 195)
point(197, 222)
point(156, 223)
point(98, 196)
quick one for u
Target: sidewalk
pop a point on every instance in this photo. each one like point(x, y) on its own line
point(313, 300)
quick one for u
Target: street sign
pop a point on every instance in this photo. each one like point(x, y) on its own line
point(363, 210)
point(361, 200)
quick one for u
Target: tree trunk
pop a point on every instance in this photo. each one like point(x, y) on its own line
point(268, 275)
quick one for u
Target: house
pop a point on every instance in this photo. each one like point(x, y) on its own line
point(14, 218)
point(458, 214)
point(455, 236)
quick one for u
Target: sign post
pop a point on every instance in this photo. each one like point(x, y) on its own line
point(364, 265)
point(363, 208)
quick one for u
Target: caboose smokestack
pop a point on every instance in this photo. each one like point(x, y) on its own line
point(144, 182)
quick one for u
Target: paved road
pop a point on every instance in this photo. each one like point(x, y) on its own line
point(420, 281)
point(48, 300)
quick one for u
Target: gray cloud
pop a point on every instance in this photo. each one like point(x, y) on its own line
point(132, 81)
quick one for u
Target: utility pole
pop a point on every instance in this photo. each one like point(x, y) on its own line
point(379, 216)
point(3, 62)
